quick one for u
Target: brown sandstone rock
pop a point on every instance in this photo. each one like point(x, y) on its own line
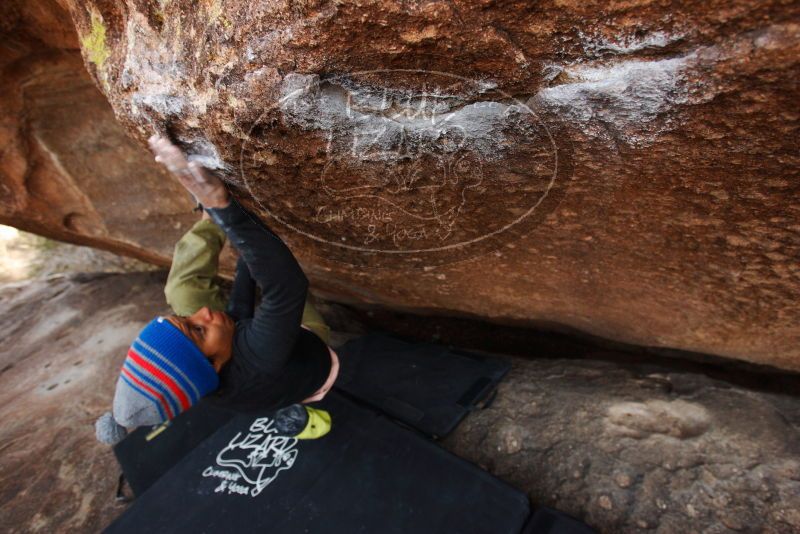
point(607, 443)
point(629, 170)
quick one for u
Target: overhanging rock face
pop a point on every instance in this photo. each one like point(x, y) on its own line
point(624, 170)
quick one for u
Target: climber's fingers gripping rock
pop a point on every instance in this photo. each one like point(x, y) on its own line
point(209, 190)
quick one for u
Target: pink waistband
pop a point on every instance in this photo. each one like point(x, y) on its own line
point(323, 390)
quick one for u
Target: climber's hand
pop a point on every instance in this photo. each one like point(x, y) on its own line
point(206, 188)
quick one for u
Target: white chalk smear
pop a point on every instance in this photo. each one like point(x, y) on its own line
point(153, 69)
point(364, 122)
point(627, 96)
point(627, 44)
point(161, 90)
point(205, 153)
point(628, 100)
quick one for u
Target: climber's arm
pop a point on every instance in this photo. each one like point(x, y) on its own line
point(269, 337)
point(243, 293)
point(271, 334)
point(191, 283)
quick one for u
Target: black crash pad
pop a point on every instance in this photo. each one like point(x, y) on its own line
point(427, 386)
point(149, 452)
point(545, 520)
point(367, 475)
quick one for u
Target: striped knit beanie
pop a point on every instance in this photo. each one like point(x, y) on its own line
point(163, 375)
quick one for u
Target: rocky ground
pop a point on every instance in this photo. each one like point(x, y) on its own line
point(632, 448)
point(627, 446)
point(62, 342)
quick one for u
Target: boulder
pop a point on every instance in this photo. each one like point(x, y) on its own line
point(627, 170)
point(641, 447)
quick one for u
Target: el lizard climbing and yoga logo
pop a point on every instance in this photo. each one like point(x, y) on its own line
point(251, 461)
point(405, 164)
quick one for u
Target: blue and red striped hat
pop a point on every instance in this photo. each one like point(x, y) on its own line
point(163, 375)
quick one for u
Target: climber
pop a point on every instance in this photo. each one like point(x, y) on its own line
point(274, 358)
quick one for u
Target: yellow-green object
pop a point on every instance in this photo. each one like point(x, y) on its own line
point(94, 43)
point(319, 424)
point(156, 431)
point(314, 321)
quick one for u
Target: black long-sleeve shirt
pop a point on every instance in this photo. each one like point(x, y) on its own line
point(275, 362)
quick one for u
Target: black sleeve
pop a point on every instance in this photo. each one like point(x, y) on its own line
point(243, 294)
point(267, 339)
